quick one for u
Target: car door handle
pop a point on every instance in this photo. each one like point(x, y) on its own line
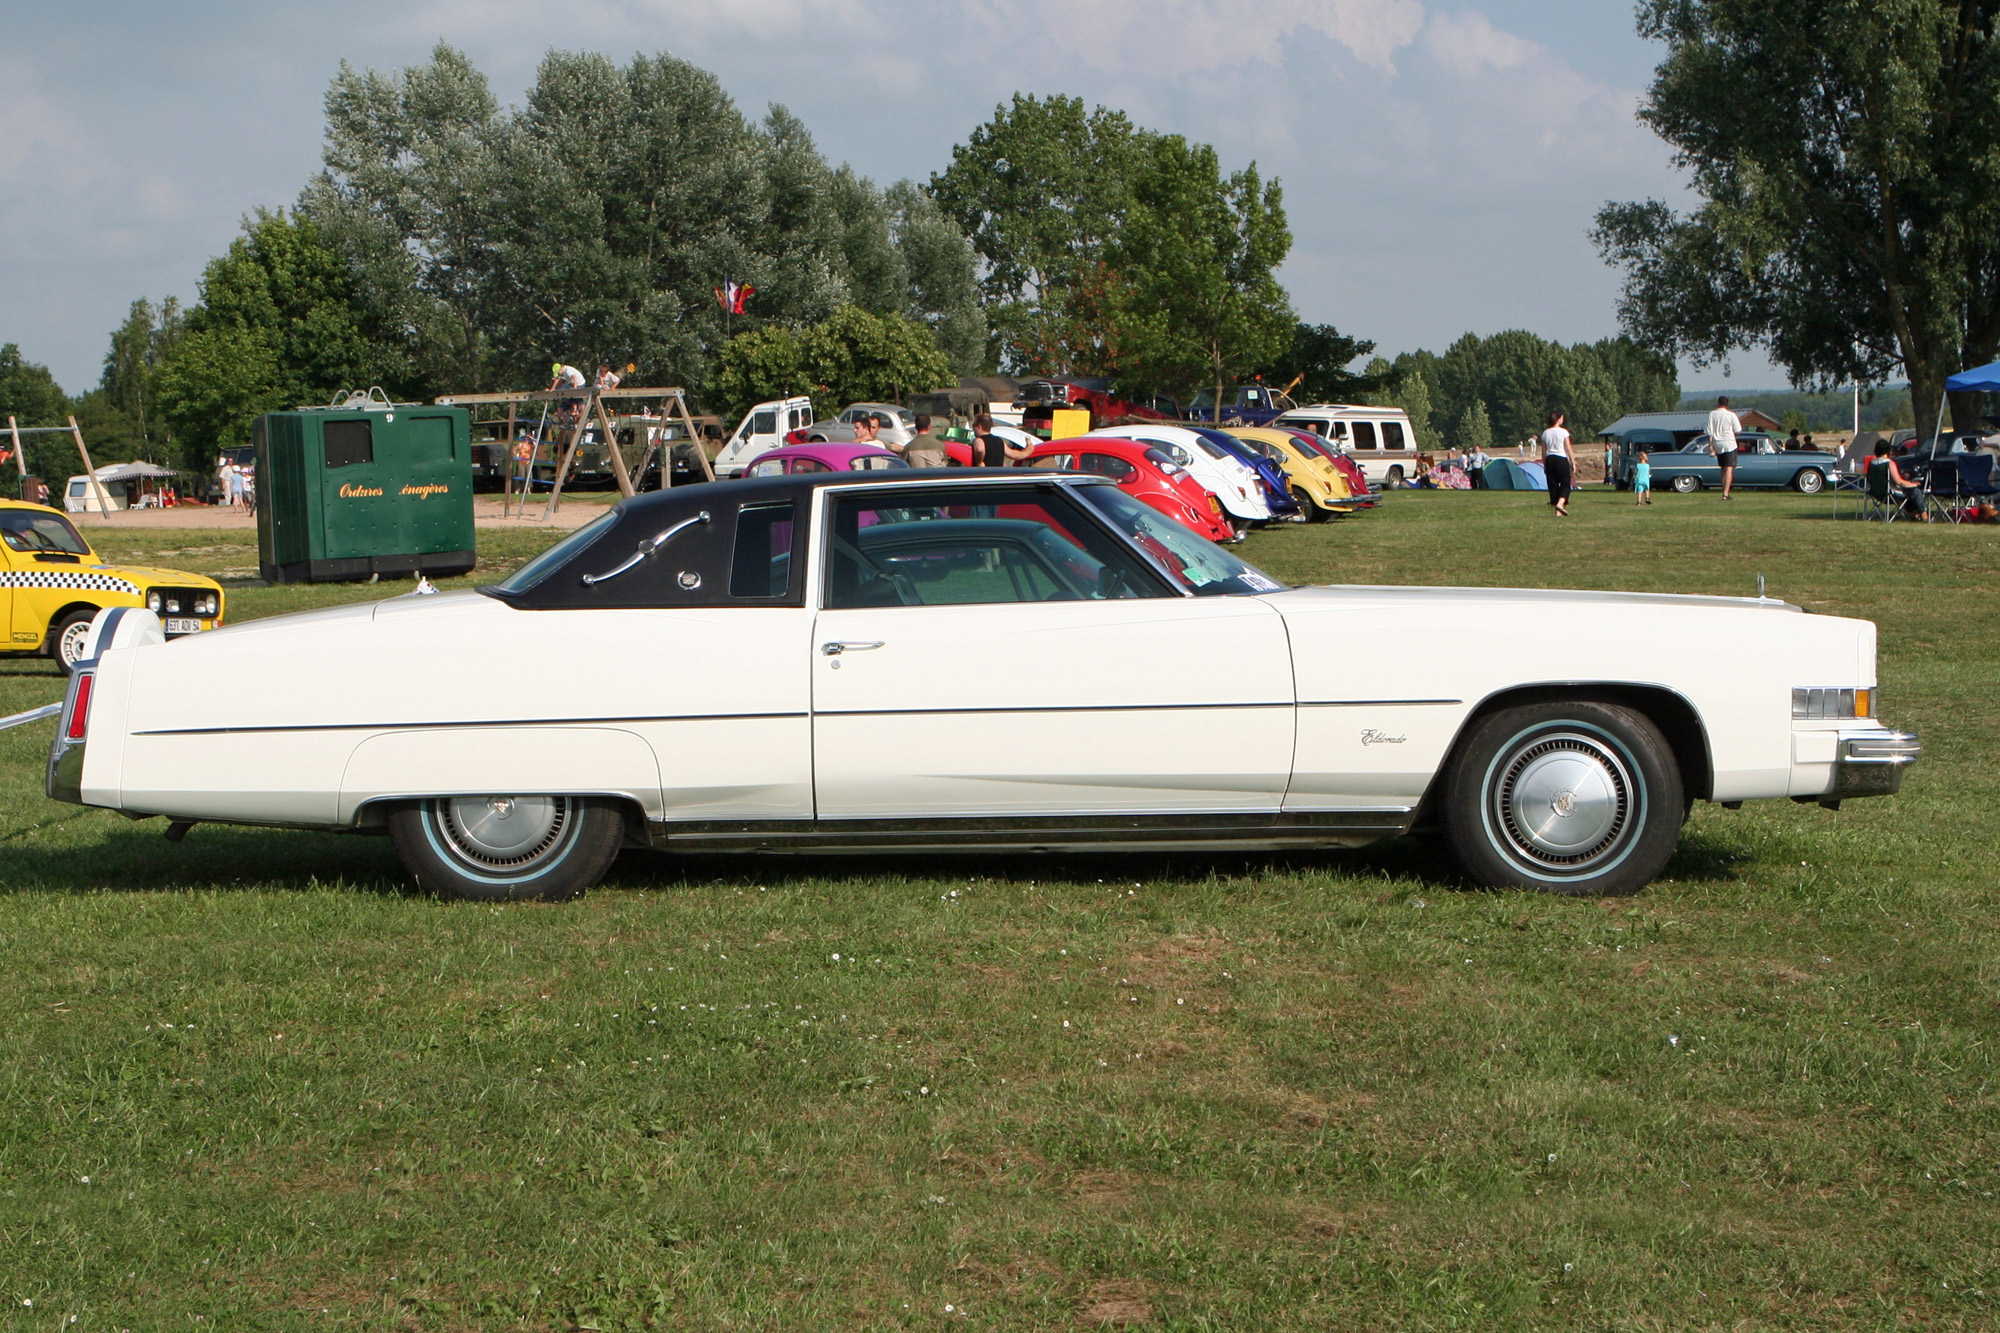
point(838, 647)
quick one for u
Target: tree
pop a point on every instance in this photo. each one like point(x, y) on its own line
point(1850, 215)
point(596, 222)
point(1041, 192)
point(131, 370)
point(1197, 260)
point(282, 321)
point(1475, 429)
point(851, 356)
point(30, 394)
point(1317, 357)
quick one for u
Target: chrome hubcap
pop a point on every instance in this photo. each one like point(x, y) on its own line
point(1564, 802)
point(504, 832)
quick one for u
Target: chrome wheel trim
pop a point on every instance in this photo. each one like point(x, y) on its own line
point(1810, 482)
point(507, 835)
point(69, 644)
point(1563, 803)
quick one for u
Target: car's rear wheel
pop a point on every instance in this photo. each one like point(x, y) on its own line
point(1313, 513)
point(1583, 799)
point(67, 639)
point(1810, 481)
point(507, 848)
point(1686, 485)
point(1394, 481)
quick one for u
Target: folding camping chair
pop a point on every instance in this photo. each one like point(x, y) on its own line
point(1878, 498)
point(1955, 483)
point(1941, 483)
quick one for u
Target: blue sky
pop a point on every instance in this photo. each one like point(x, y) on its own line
point(1441, 163)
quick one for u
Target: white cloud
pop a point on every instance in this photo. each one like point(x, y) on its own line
point(1167, 40)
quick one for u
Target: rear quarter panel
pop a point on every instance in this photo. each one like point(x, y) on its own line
point(1387, 678)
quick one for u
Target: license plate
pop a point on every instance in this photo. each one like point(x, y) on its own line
point(183, 626)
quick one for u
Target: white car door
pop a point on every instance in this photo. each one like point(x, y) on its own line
point(985, 654)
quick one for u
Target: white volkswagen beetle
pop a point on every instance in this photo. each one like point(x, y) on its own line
point(1005, 660)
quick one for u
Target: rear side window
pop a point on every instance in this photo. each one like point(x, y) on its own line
point(348, 443)
point(1109, 465)
point(1392, 435)
point(761, 565)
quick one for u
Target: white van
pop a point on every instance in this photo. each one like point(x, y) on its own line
point(762, 429)
point(1378, 439)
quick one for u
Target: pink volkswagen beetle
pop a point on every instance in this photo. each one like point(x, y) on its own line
point(796, 458)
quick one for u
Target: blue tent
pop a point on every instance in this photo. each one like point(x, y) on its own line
point(1985, 379)
point(1504, 474)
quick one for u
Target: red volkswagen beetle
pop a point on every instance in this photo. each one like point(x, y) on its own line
point(1145, 472)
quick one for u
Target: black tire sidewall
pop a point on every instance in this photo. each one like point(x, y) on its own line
point(589, 847)
point(1660, 801)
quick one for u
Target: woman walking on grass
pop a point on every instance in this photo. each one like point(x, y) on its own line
point(1557, 463)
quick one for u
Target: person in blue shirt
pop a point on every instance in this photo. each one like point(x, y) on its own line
point(1642, 478)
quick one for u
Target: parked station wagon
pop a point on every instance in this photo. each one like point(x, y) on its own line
point(922, 660)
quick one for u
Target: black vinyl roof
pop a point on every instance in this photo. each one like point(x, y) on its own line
point(693, 568)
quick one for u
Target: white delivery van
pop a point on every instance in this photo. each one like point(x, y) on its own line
point(762, 429)
point(1378, 439)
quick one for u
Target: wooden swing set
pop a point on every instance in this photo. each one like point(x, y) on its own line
point(16, 430)
point(525, 454)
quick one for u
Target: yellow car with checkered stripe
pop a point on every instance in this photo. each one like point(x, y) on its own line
point(52, 585)
point(1319, 487)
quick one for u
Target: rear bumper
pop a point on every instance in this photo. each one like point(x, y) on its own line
point(1871, 762)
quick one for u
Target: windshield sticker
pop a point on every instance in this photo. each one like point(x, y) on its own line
point(1250, 578)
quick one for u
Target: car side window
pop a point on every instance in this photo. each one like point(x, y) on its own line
point(977, 546)
point(761, 565)
point(1392, 435)
point(809, 465)
point(1364, 435)
point(1109, 465)
point(764, 423)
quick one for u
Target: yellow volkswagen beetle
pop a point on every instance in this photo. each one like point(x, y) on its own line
point(1315, 482)
point(52, 585)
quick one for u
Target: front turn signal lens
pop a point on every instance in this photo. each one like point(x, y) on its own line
point(1820, 704)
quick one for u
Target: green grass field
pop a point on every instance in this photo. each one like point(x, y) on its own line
point(250, 1081)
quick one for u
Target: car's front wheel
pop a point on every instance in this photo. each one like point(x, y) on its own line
point(1582, 798)
point(507, 848)
point(1394, 481)
point(1810, 481)
point(1686, 485)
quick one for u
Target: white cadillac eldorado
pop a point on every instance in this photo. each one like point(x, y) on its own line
point(866, 662)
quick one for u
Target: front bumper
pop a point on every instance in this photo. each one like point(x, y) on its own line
point(1870, 761)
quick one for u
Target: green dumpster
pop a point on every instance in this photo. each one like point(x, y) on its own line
point(350, 492)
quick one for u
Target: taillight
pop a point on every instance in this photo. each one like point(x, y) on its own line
point(79, 707)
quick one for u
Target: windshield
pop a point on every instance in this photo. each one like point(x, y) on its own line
point(1200, 566)
point(30, 530)
point(528, 575)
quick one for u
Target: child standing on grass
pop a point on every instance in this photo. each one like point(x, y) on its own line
point(1642, 478)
